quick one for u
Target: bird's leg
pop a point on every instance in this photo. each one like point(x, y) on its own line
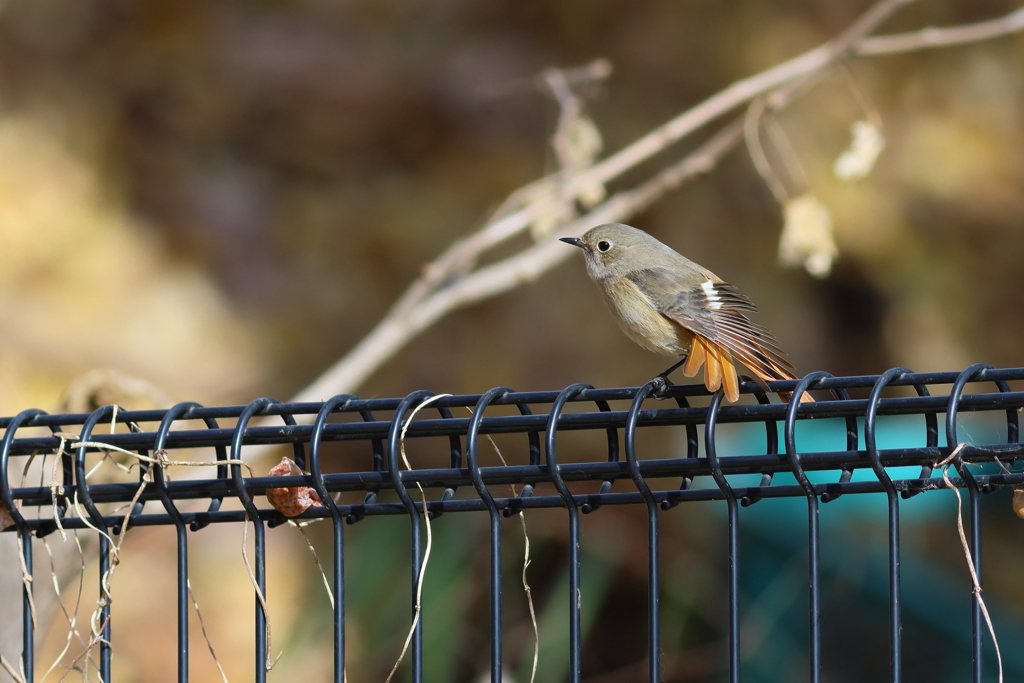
point(661, 380)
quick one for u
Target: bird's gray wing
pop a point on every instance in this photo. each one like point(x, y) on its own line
point(716, 311)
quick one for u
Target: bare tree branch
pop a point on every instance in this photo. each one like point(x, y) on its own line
point(941, 37)
point(450, 282)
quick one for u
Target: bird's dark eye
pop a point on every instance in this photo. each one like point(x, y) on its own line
point(604, 245)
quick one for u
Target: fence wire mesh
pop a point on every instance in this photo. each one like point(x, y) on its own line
point(621, 474)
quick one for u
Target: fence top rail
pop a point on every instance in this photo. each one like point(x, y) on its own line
point(739, 412)
point(780, 454)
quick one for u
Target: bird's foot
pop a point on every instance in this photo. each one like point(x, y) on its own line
point(661, 386)
point(662, 382)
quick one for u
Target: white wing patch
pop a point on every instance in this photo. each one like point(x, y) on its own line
point(714, 301)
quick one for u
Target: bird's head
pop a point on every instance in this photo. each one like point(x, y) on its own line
point(613, 249)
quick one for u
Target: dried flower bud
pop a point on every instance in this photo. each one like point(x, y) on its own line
point(856, 162)
point(5, 517)
point(294, 500)
point(578, 144)
point(807, 236)
point(1018, 502)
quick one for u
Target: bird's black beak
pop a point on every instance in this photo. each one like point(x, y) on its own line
point(574, 241)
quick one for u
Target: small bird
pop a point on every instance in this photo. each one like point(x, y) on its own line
point(668, 304)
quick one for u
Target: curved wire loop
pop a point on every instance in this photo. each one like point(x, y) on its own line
point(1012, 414)
point(377, 449)
point(221, 453)
point(771, 441)
point(613, 456)
point(455, 447)
point(67, 482)
point(395, 472)
point(533, 438)
point(790, 430)
point(931, 427)
point(82, 487)
point(144, 470)
point(257, 407)
point(338, 527)
point(25, 534)
point(570, 392)
point(692, 451)
point(813, 549)
point(852, 442)
point(653, 583)
point(711, 451)
point(6, 490)
point(472, 432)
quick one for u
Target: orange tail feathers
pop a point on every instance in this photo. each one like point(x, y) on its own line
point(696, 357)
point(720, 370)
point(730, 380)
point(713, 369)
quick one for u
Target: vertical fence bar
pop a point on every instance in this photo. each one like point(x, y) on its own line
point(259, 531)
point(653, 583)
point(813, 535)
point(711, 450)
point(575, 597)
point(179, 527)
point(395, 471)
point(952, 441)
point(338, 528)
point(870, 444)
point(472, 461)
point(258, 534)
point(25, 534)
point(85, 497)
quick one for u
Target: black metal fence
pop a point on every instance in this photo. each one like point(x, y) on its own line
point(464, 485)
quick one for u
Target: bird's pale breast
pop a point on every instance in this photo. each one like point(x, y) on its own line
point(640, 320)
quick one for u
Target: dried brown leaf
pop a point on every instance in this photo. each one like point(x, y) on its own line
point(1018, 502)
point(291, 501)
point(5, 517)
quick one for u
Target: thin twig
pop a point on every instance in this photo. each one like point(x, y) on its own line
point(790, 159)
point(870, 110)
point(106, 598)
point(269, 663)
point(975, 581)
point(931, 37)
point(526, 564)
point(206, 637)
point(588, 74)
point(752, 134)
point(11, 671)
point(316, 558)
point(418, 608)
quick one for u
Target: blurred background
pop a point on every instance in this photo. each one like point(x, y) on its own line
point(222, 198)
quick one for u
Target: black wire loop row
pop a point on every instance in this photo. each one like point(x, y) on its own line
point(385, 438)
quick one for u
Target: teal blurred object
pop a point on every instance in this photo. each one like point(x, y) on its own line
point(936, 591)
